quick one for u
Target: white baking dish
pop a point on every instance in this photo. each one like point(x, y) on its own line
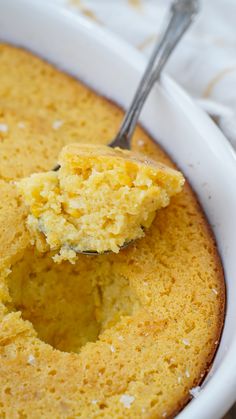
point(195, 143)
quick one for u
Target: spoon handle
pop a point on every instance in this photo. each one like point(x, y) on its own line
point(182, 13)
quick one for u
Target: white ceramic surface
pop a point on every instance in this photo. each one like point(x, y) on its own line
point(195, 143)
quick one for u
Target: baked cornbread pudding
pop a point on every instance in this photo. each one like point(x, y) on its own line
point(99, 199)
point(127, 335)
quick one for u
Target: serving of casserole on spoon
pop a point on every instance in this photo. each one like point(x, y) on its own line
point(102, 198)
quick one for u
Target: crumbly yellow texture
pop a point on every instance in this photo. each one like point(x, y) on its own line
point(112, 336)
point(99, 200)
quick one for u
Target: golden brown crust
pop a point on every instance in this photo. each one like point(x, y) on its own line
point(222, 298)
point(151, 147)
point(12, 213)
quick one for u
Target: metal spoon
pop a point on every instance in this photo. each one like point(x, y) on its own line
point(182, 13)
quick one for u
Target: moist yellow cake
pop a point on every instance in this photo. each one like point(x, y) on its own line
point(97, 201)
point(124, 335)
